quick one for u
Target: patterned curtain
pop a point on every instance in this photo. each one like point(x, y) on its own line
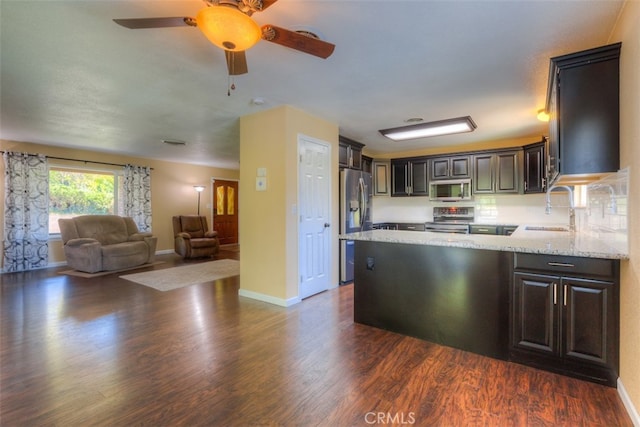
point(26, 211)
point(137, 195)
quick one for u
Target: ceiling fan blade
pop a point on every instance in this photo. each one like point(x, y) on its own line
point(267, 3)
point(297, 41)
point(140, 23)
point(236, 62)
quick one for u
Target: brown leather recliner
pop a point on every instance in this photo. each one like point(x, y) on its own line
point(192, 237)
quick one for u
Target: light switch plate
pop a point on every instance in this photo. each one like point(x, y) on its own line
point(262, 171)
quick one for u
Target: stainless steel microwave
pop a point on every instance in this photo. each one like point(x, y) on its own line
point(450, 190)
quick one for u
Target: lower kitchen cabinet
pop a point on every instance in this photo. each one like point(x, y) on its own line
point(565, 315)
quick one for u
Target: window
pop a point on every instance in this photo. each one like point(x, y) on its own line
point(74, 192)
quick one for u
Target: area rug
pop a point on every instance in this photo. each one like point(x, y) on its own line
point(104, 273)
point(179, 277)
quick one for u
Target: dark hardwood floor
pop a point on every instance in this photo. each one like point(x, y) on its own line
point(106, 351)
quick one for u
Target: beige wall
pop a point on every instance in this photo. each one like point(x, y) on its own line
point(172, 184)
point(269, 220)
point(628, 31)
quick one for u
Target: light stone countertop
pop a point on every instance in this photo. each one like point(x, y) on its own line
point(580, 244)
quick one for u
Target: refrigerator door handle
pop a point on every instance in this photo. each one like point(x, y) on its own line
point(362, 197)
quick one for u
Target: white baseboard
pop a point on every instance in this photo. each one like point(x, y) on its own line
point(268, 298)
point(628, 404)
point(57, 264)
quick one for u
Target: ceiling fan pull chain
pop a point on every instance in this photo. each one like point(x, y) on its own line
point(231, 85)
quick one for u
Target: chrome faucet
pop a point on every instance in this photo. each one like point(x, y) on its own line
point(572, 209)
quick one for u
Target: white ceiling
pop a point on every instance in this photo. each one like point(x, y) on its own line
point(71, 77)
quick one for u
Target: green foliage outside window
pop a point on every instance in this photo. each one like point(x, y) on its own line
point(80, 193)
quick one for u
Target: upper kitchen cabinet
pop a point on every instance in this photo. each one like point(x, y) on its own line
point(497, 172)
point(381, 177)
point(583, 102)
point(367, 164)
point(350, 153)
point(534, 167)
point(450, 167)
point(409, 177)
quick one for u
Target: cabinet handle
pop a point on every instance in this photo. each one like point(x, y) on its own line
point(483, 229)
point(565, 295)
point(555, 294)
point(561, 264)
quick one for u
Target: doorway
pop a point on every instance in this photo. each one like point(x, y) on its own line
point(225, 210)
point(314, 209)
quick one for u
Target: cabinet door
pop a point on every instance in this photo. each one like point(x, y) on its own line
point(355, 154)
point(589, 321)
point(553, 149)
point(440, 168)
point(380, 178)
point(507, 172)
point(367, 164)
point(589, 124)
point(535, 313)
point(460, 167)
point(534, 168)
point(419, 178)
point(483, 178)
point(399, 178)
point(343, 155)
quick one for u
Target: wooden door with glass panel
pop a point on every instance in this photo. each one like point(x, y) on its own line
point(225, 211)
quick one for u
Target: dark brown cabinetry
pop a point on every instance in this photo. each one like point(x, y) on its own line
point(502, 230)
point(408, 289)
point(564, 315)
point(497, 172)
point(534, 168)
point(450, 167)
point(583, 102)
point(349, 153)
point(409, 177)
point(367, 164)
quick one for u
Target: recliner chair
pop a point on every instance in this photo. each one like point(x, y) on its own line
point(192, 237)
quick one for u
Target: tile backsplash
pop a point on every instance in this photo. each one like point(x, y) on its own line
point(489, 209)
point(601, 209)
point(607, 203)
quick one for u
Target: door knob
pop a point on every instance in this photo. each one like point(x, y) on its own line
point(327, 225)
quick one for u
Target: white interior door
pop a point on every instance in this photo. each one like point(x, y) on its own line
point(314, 209)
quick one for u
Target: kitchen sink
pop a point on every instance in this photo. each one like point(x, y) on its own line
point(544, 228)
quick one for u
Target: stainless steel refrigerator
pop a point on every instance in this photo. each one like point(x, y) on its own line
point(355, 214)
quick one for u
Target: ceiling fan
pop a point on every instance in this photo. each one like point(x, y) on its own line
point(228, 25)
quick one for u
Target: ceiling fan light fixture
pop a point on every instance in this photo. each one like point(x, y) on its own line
point(228, 28)
point(436, 128)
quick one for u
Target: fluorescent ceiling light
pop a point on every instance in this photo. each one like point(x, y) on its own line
point(423, 130)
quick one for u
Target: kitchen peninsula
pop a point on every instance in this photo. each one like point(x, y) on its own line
point(544, 298)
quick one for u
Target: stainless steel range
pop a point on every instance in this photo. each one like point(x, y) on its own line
point(451, 219)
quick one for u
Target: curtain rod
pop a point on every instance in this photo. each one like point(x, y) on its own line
point(82, 161)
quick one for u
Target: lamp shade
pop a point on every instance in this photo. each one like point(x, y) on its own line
point(228, 28)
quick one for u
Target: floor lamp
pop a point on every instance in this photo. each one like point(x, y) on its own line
point(199, 189)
